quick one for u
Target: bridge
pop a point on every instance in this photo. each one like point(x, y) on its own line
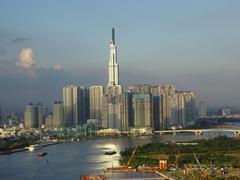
point(236, 132)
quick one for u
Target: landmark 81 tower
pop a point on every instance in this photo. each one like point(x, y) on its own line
point(114, 88)
point(113, 68)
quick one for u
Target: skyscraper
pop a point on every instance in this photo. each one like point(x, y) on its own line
point(39, 108)
point(96, 97)
point(140, 88)
point(113, 68)
point(202, 108)
point(181, 108)
point(141, 106)
point(58, 115)
point(114, 90)
point(168, 105)
point(30, 116)
point(68, 105)
point(115, 112)
point(156, 109)
point(76, 105)
point(113, 86)
point(189, 106)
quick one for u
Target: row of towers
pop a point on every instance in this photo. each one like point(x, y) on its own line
point(140, 106)
point(158, 107)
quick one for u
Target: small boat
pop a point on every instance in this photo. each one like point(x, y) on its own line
point(110, 152)
point(42, 154)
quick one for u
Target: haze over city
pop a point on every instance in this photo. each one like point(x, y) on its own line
point(46, 45)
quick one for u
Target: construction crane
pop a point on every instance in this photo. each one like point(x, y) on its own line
point(197, 160)
point(130, 159)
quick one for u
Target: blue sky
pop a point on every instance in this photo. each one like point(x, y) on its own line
point(191, 44)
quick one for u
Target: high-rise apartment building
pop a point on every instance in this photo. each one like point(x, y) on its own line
point(181, 108)
point(189, 106)
point(202, 108)
point(30, 116)
point(115, 106)
point(104, 113)
point(95, 100)
point(141, 109)
point(39, 108)
point(76, 105)
point(33, 115)
point(68, 105)
point(140, 88)
point(168, 105)
point(57, 115)
point(156, 109)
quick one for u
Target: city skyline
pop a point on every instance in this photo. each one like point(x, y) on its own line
point(200, 56)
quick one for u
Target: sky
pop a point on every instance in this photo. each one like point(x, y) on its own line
point(45, 45)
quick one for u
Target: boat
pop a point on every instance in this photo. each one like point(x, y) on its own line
point(42, 154)
point(110, 152)
point(34, 147)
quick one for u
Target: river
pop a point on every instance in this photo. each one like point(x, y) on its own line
point(68, 160)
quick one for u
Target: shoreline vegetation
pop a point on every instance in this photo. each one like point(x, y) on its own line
point(21, 145)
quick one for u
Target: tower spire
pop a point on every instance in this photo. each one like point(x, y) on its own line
point(113, 35)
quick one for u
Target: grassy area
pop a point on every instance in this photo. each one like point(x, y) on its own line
point(220, 151)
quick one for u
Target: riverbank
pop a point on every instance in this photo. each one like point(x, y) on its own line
point(70, 159)
point(26, 149)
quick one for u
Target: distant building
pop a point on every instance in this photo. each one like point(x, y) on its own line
point(107, 132)
point(112, 102)
point(95, 100)
point(68, 105)
point(141, 109)
point(157, 118)
point(140, 88)
point(181, 109)
point(169, 105)
point(226, 112)
point(58, 115)
point(189, 106)
point(39, 108)
point(115, 106)
point(141, 131)
point(49, 121)
point(104, 113)
point(30, 116)
point(113, 68)
point(76, 105)
point(202, 108)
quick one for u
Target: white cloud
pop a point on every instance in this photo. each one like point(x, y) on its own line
point(26, 58)
point(58, 67)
